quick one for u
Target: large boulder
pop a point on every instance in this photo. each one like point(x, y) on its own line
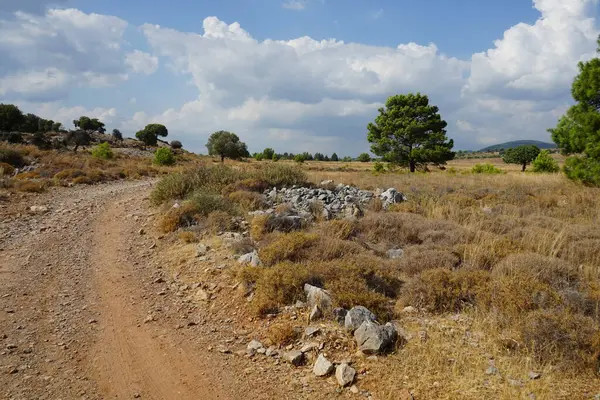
point(356, 316)
point(373, 338)
point(315, 296)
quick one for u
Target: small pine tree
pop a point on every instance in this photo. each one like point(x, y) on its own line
point(164, 156)
point(545, 163)
point(103, 151)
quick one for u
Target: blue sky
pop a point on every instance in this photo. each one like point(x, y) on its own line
point(296, 75)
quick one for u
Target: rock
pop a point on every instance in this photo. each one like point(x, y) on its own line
point(391, 196)
point(250, 258)
point(38, 209)
point(356, 316)
point(515, 382)
point(315, 313)
point(354, 389)
point(327, 182)
point(315, 296)
point(395, 253)
point(340, 315)
point(534, 375)
point(373, 338)
point(294, 357)
point(344, 374)
point(309, 347)
point(311, 331)
point(253, 347)
point(271, 351)
point(201, 249)
point(491, 370)
point(142, 231)
point(409, 310)
point(323, 366)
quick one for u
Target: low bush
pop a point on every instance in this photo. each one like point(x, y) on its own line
point(282, 334)
point(378, 167)
point(280, 175)
point(6, 169)
point(12, 157)
point(545, 163)
point(287, 247)
point(30, 186)
point(182, 216)
point(443, 290)
point(164, 156)
point(211, 179)
point(583, 169)
point(219, 221)
point(485, 169)
point(248, 201)
point(103, 151)
point(188, 237)
point(206, 203)
point(567, 340)
point(248, 185)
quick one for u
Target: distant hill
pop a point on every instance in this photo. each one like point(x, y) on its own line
point(517, 143)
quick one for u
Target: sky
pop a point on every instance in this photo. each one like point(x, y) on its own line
point(296, 75)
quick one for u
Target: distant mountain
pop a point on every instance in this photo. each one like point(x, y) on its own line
point(517, 143)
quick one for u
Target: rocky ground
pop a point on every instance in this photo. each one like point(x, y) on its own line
point(95, 303)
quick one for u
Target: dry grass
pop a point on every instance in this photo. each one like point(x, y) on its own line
point(64, 167)
point(188, 237)
point(282, 334)
point(504, 267)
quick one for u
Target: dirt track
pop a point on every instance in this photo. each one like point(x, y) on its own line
point(80, 316)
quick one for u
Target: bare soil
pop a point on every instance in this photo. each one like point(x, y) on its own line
point(88, 309)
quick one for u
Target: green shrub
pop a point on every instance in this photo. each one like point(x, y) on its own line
point(164, 156)
point(545, 163)
point(206, 203)
point(299, 158)
point(485, 169)
point(378, 167)
point(211, 179)
point(583, 169)
point(103, 151)
point(12, 157)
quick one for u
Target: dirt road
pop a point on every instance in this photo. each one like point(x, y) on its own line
point(83, 313)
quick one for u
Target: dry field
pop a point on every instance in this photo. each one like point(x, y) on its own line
point(503, 270)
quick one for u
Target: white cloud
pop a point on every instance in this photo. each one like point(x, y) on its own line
point(141, 62)
point(541, 57)
point(69, 47)
point(305, 94)
point(31, 6)
point(297, 5)
point(132, 100)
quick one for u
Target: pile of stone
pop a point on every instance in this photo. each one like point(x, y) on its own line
point(336, 200)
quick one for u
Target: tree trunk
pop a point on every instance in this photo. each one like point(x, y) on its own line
point(222, 158)
point(524, 165)
point(412, 165)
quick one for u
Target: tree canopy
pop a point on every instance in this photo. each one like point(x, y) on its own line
point(521, 155)
point(410, 132)
point(11, 118)
point(578, 131)
point(364, 157)
point(226, 145)
point(149, 135)
point(89, 124)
